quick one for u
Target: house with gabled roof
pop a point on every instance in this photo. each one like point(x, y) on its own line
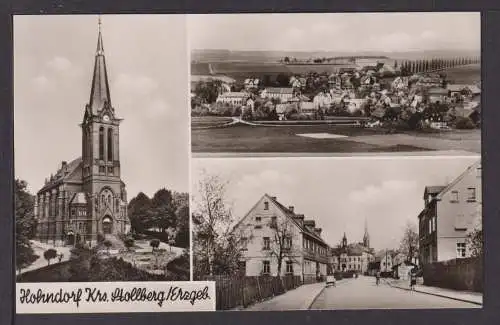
point(270, 228)
point(450, 213)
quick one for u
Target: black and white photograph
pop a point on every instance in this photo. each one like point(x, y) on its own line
point(335, 83)
point(329, 233)
point(101, 148)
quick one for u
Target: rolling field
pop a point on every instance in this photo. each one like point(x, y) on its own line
point(242, 70)
point(466, 74)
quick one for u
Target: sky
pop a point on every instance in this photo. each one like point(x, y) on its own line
point(336, 31)
point(147, 62)
point(339, 193)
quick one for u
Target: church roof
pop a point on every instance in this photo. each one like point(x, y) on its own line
point(99, 93)
point(68, 171)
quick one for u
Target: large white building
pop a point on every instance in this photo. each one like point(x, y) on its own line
point(233, 98)
point(283, 94)
point(352, 257)
point(270, 229)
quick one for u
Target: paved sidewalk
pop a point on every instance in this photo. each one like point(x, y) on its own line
point(299, 298)
point(39, 248)
point(466, 296)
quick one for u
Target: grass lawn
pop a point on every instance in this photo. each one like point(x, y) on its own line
point(244, 138)
point(275, 139)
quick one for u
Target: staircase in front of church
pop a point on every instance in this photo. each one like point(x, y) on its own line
point(116, 243)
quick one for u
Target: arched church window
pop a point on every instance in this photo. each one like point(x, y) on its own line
point(101, 143)
point(110, 144)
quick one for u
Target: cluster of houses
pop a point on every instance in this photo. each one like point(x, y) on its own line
point(363, 91)
point(271, 229)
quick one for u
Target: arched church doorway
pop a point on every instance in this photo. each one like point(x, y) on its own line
point(70, 238)
point(107, 225)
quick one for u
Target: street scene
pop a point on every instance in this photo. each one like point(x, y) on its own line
point(86, 210)
point(314, 89)
point(339, 233)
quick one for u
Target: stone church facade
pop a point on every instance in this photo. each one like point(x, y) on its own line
point(86, 196)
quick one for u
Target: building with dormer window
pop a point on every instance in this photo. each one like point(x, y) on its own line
point(450, 213)
point(87, 196)
point(270, 227)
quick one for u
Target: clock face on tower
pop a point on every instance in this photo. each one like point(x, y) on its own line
point(105, 118)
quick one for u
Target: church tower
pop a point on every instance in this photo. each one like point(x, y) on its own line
point(366, 236)
point(100, 153)
point(344, 241)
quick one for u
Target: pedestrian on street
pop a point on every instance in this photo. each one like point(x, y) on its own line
point(377, 275)
point(413, 279)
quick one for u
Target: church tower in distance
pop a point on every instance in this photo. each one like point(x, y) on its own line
point(366, 236)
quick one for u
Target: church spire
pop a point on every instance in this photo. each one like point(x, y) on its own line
point(366, 236)
point(99, 93)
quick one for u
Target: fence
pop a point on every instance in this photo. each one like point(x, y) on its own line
point(232, 292)
point(458, 274)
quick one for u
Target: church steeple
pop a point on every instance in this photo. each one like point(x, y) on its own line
point(366, 236)
point(344, 241)
point(99, 93)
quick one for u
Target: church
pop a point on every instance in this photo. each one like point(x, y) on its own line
point(86, 196)
point(353, 256)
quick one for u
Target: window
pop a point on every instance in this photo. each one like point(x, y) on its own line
point(478, 172)
point(266, 205)
point(267, 243)
point(289, 267)
point(287, 243)
point(110, 170)
point(430, 226)
point(244, 243)
point(460, 250)
point(110, 144)
point(102, 169)
point(273, 220)
point(258, 219)
point(258, 227)
point(101, 143)
point(471, 194)
point(454, 196)
point(266, 267)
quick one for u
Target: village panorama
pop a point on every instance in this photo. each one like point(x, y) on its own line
point(358, 103)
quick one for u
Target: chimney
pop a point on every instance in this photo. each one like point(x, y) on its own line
point(291, 208)
point(299, 218)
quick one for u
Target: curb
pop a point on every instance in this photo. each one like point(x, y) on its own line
point(438, 295)
point(316, 297)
